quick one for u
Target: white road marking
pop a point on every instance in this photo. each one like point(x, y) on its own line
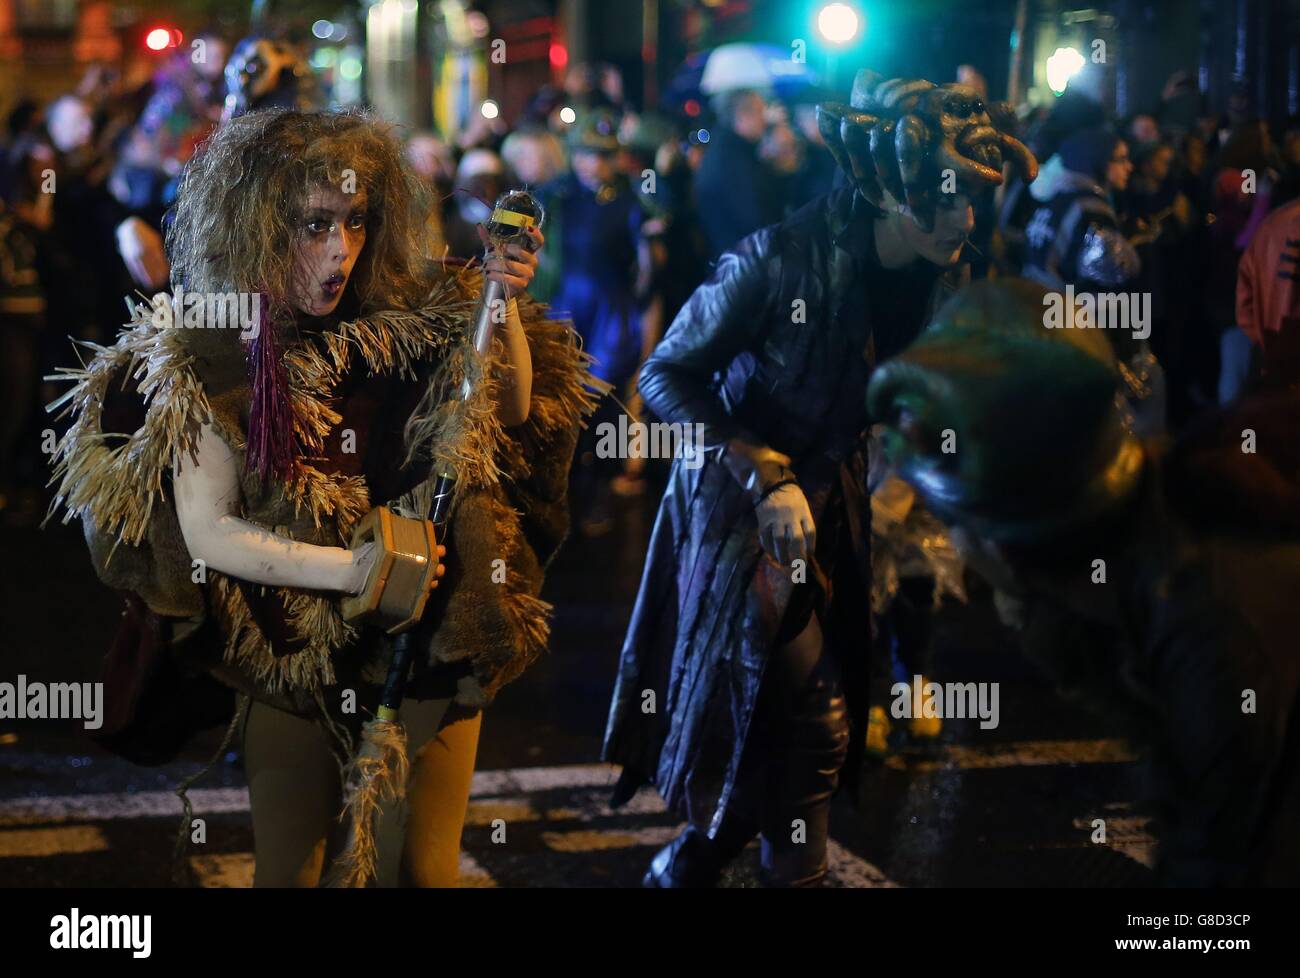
point(504, 794)
point(1129, 835)
point(849, 870)
point(114, 805)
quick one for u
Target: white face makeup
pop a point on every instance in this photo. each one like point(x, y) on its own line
point(331, 236)
point(954, 219)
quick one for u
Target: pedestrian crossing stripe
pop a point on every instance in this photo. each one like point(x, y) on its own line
point(508, 794)
point(575, 823)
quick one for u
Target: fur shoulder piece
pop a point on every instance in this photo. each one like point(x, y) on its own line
point(138, 404)
point(114, 477)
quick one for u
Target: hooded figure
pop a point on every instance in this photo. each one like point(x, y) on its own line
point(1075, 236)
point(1157, 586)
point(1074, 241)
point(742, 682)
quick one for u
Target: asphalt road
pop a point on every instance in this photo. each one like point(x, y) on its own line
point(1012, 806)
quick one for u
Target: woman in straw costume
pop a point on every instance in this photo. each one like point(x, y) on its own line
point(309, 367)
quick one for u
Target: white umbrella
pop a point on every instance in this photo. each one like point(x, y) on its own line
point(762, 66)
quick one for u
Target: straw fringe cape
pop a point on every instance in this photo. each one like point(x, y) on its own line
point(510, 504)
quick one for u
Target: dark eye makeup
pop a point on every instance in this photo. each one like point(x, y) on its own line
point(320, 222)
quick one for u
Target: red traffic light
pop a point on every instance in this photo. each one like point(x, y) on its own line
point(161, 38)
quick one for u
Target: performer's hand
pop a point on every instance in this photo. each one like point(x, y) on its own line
point(363, 560)
point(785, 525)
point(141, 248)
point(516, 264)
point(755, 466)
point(442, 568)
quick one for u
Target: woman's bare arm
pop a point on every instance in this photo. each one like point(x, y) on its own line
point(516, 381)
point(514, 268)
point(207, 504)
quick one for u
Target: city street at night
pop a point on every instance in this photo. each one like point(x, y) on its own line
point(1009, 807)
point(609, 446)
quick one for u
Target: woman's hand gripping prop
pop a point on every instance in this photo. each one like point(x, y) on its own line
point(401, 577)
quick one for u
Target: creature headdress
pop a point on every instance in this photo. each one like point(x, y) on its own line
point(264, 73)
point(901, 135)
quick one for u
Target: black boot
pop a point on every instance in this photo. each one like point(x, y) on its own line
point(686, 862)
point(694, 860)
point(804, 766)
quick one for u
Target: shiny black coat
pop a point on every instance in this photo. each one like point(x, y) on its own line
point(777, 346)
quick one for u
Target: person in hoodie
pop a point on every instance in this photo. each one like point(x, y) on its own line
point(1268, 297)
point(1075, 238)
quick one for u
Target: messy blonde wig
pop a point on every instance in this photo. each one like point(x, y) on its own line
point(242, 202)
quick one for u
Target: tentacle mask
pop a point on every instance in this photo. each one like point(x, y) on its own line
point(900, 135)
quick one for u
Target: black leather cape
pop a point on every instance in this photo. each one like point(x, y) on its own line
point(778, 346)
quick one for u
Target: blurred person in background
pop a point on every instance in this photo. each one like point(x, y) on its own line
point(26, 217)
point(678, 248)
point(23, 126)
point(83, 278)
point(260, 73)
point(1163, 226)
point(1244, 176)
point(1075, 238)
point(1180, 103)
point(1143, 131)
point(1268, 297)
point(480, 180)
point(736, 190)
point(433, 164)
point(22, 321)
point(187, 101)
point(188, 96)
point(1288, 187)
point(590, 273)
point(535, 156)
point(1079, 107)
point(783, 152)
point(481, 132)
point(816, 172)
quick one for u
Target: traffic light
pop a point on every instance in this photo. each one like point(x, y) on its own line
point(161, 38)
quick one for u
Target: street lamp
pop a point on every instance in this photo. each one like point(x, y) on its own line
point(838, 23)
point(1062, 65)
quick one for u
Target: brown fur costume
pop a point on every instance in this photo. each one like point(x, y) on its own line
point(139, 403)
